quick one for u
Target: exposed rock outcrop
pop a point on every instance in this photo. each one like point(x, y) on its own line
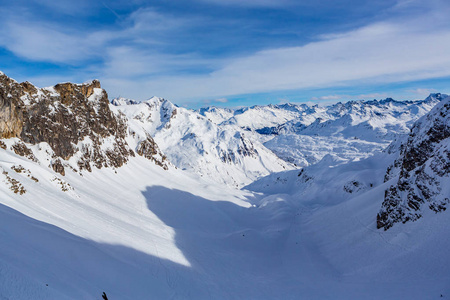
point(68, 115)
point(244, 148)
point(74, 119)
point(11, 105)
point(423, 163)
point(22, 150)
point(58, 167)
point(150, 150)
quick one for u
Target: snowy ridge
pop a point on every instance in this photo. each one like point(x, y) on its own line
point(123, 101)
point(304, 134)
point(213, 140)
point(352, 130)
point(192, 142)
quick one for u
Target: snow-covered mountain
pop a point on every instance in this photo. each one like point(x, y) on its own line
point(123, 101)
point(94, 199)
point(304, 134)
point(192, 142)
point(240, 143)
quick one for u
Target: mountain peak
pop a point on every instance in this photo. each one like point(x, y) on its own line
point(437, 96)
point(123, 101)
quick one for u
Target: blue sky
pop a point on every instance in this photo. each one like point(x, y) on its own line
point(232, 52)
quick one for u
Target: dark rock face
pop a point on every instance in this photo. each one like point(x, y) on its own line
point(10, 107)
point(228, 156)
point(67, 117)
point(58, 167)
point(244, 148)
point(22, 150)
point(74, 119)
point(353, 186)
point(423, 163)
point(150, 150)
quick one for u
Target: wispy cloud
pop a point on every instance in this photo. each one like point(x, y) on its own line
point(421, 92)
point(249, 3)
point(221, 100)
point(331, 98)
point(382, 52)
point(46, 43)
point(137, 58)
point(206, 102)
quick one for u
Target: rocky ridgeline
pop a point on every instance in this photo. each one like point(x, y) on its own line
point(422, 169)
point(73, 119)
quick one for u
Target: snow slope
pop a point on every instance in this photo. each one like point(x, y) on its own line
point(101, 230)
point(145, 232)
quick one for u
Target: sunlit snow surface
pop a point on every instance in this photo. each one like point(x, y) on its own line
point(209, 141)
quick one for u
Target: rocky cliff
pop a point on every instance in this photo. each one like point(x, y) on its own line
point(420, 171)
point(75, 120)
point(11, 118)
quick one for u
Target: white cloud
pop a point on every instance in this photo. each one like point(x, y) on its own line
point(50, 42)
point(205, 102)
point(421, 92)
point(372, 96)
point(43, 43)
point(221, 100)
point(373, 52)
point(250, 3)
point(329, 97)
